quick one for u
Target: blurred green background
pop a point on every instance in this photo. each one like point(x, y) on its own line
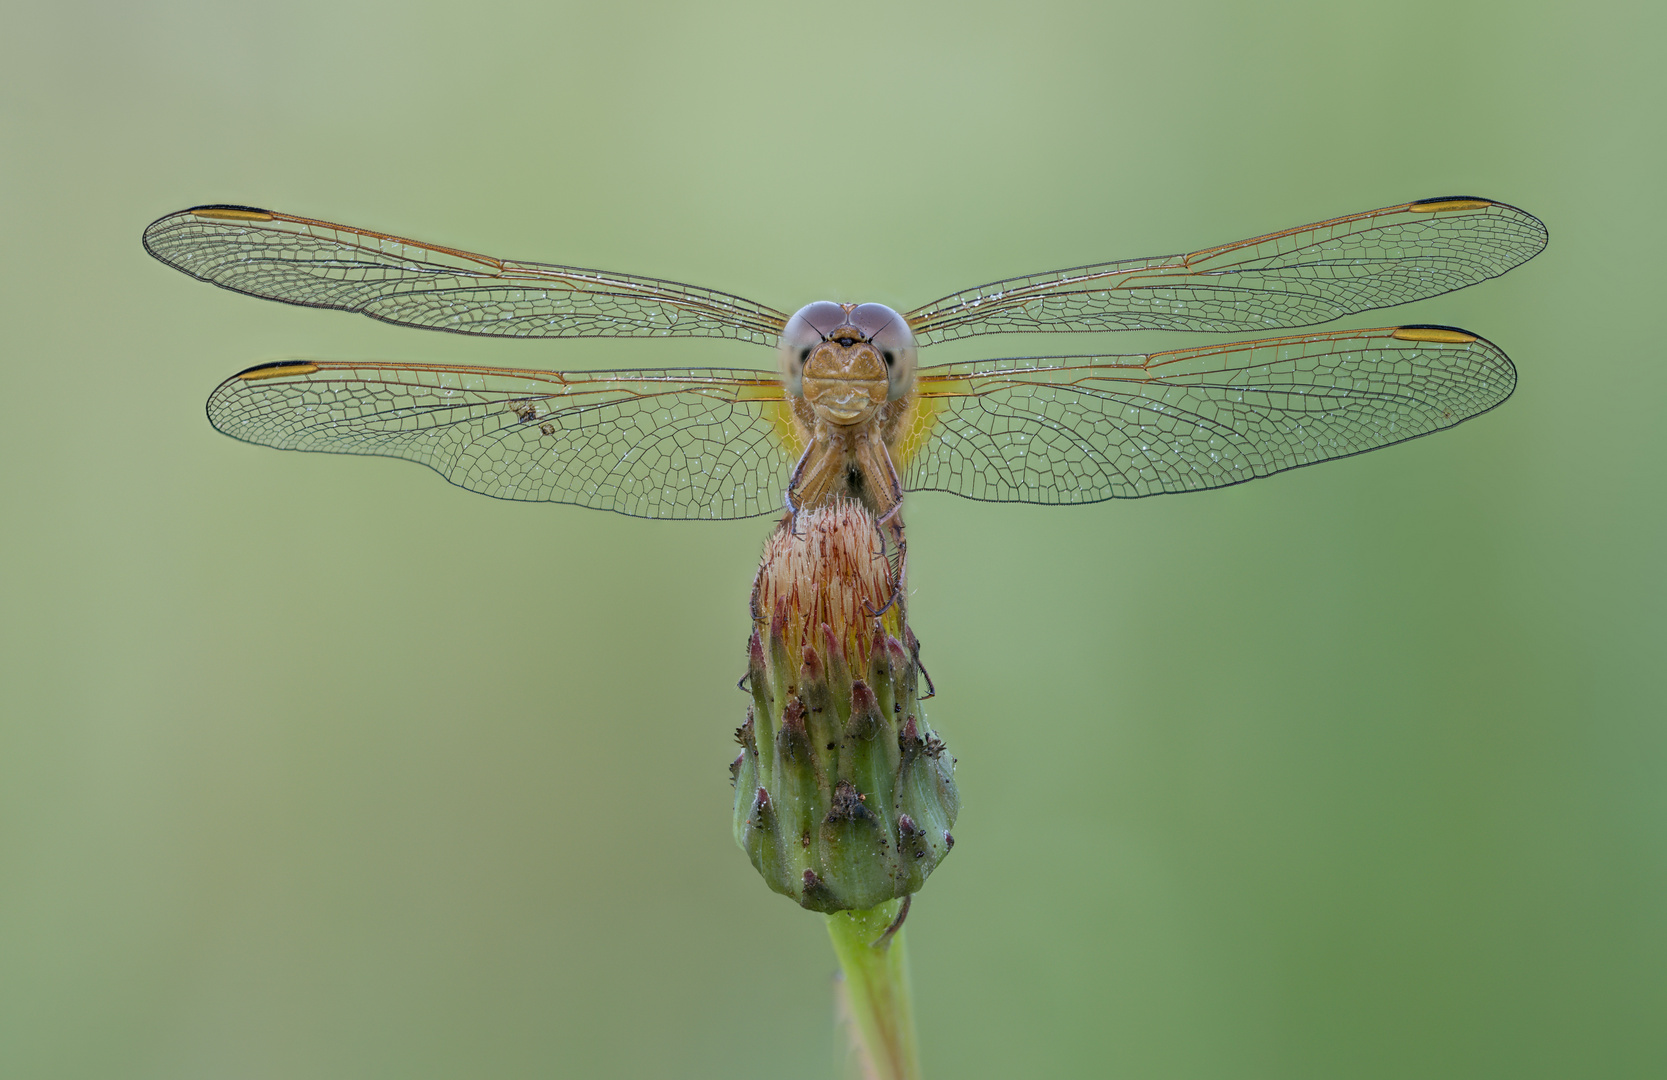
point(318, 767)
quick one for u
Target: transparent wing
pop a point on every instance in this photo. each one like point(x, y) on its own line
point(1080, 429)
point(709, 443)
point(1297, 277)
point(318, 264)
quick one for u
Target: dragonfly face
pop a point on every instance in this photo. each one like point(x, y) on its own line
point(850, 416)
point(847, 360)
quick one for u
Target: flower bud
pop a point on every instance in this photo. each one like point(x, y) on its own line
point(844, 797)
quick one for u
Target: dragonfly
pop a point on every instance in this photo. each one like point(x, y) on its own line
point(848, 413)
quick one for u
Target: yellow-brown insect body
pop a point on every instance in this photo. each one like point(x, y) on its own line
point(848, 416)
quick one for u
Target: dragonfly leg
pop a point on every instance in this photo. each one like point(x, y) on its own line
point(888, 494)
point(819, 478)
point(791, 497)
point(898, 566)
point(893, 521)
point(914, 652)
point(896, 924)
point(881, 488)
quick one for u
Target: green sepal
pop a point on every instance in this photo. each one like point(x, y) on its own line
point(863, 794)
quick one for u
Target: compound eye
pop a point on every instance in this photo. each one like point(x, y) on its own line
point(889, 333)
point(808, 327)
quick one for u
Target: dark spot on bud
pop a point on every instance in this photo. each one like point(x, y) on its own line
point(795, 738)
point(948, 841)
point(812, 667)
point(745, 736)
point(847, 805)
point(909, 835)
point(901, 662)
point(813, 681)
point(735, 769)
point(817, 896)
point(865, 712)
point(763, 815)
point(778, 625)
point(832, 745)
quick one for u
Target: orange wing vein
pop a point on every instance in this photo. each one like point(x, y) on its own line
point(319, 264)
point(1080, 429)
point(701, 443)
point(1297, 277)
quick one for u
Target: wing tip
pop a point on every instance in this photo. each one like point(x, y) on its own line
point(1452, 203)
point(1455, 335)
point(208, 212)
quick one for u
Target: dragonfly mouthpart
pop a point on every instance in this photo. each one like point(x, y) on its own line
point(845, 383)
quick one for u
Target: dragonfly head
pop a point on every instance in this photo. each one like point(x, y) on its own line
point(847, 359)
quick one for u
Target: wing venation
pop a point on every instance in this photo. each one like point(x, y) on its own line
point(319, 264)
point(702, 443)
point(1297, 277)
point(1081, 429)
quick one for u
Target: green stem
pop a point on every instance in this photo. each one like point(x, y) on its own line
point(877, 990)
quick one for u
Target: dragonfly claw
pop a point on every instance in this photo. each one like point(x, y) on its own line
point(896, 924)
point(914, 652)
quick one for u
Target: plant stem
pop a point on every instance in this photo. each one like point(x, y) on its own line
point(878, 996)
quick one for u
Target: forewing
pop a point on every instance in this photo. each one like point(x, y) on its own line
point(1297, 277)
point(1086, 428)
point(319, 264)
point(707, 443)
